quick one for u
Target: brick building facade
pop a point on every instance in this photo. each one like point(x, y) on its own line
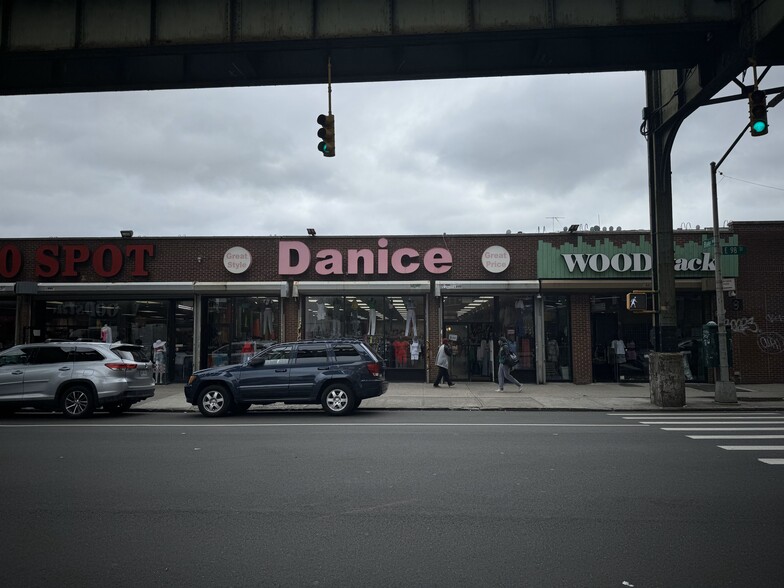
point(560, 297)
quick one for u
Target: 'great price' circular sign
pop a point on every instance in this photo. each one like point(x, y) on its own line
point(495, 259)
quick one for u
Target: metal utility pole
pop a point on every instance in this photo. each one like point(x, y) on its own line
point(725, 388)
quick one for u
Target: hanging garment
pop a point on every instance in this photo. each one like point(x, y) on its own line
point(268, 327)
point(410, 317)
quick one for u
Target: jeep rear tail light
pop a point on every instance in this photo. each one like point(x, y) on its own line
point(374, 369)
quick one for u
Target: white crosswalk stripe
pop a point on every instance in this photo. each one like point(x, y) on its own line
point(722, 427)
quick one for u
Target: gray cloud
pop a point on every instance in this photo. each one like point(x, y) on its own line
point(455, 156)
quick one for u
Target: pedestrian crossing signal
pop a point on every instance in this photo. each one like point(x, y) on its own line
point(637, 302)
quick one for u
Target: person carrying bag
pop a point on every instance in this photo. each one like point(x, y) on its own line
point(442, 361)
point(507, 359)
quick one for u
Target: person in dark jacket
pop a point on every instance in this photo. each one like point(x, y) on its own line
point(504, 369)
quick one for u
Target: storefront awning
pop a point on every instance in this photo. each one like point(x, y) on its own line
point(117, 288)
point(250, 288)
point(414, 287)
point(444, 288)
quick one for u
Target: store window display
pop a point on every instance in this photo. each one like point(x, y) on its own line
point(239, 327)
point(558, 357)
point(516, 318)
point(391, 325)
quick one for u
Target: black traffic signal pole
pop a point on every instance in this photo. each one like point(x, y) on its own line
point(725, 391)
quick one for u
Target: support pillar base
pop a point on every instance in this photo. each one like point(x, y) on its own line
point(668, 385)
point(726, 393)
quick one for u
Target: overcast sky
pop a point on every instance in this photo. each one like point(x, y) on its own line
point(427, 157)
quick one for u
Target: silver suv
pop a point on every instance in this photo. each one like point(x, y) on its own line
point(75, 377)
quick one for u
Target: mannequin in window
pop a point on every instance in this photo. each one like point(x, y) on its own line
point(401, 347)
point(618, 346)
point(415, 349)
point(159, 357)
point(267, 321)
point(410, 316)
point(552, 350)
point(321, 319)
point(106, 334)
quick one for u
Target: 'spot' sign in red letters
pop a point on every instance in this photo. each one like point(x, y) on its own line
point(67, 261)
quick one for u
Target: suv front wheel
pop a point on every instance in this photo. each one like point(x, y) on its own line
point(214, 401)
point(77, 402)
point(338, 400)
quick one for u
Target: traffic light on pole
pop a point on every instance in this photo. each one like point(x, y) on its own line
point(758, 113)
point(327, 134)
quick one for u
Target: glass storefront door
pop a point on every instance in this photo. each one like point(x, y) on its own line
point(469, 325)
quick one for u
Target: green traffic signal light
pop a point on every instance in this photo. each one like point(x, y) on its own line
point(758, 113)
point(327, 135)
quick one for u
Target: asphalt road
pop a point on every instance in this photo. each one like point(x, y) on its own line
point(386, 498)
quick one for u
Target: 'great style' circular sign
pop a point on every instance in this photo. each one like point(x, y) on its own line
point(236, 260)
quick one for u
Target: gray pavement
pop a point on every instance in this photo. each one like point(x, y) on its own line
point(552, 396)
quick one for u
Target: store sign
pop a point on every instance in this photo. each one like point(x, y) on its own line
point(294, 258)
point(495, 259)
point(610, 258)
point(68, 261)
point(632, 262)
point(237, 260)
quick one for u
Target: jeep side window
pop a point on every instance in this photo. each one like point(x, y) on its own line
point(278, 356)
point(314, 354)
point(346, 353)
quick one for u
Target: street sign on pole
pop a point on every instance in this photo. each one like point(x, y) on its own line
point(733, 249)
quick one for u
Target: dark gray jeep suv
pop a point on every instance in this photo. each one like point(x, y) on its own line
point(337, 374)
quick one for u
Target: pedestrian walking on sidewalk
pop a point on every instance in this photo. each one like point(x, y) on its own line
point(506, 361)
point(442, 361)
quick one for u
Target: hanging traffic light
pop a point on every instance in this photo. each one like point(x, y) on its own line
point(758, 113)
point(327, 134)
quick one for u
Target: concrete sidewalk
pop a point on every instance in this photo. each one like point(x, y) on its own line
point(552, 396)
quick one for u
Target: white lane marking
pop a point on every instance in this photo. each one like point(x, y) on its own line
point(735, 436)
point(653, 414)
point(708, 423)
point(705, 416)
point(772, 460)
point(99, 425)
point(722, 428)
point(752, 447)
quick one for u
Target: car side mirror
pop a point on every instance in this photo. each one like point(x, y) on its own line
point(256, 361)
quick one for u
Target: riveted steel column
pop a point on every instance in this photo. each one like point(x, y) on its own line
point(666, 368)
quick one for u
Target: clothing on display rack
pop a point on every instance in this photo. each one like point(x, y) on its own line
point(267, 323)
point(372, 317)
point(410, 317)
